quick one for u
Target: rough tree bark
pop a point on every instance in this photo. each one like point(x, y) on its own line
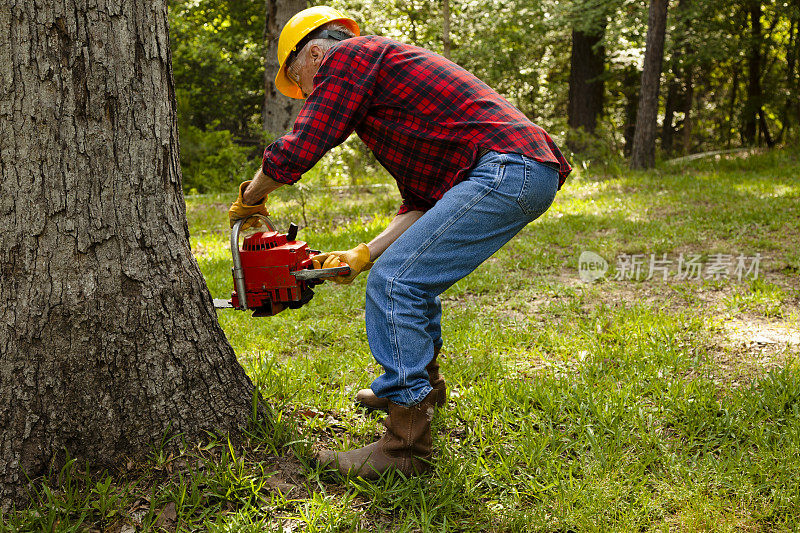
point(586, 86)
point(643, 154)
point(279, 111)
point(108, 336)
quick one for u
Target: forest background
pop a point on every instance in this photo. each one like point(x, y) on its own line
point(729, 76)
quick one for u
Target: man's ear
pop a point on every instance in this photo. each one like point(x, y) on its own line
point(316, 54)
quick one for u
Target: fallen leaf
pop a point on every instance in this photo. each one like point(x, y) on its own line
point(167, 517)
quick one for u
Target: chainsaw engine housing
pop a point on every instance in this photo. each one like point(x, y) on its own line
point(268, 258)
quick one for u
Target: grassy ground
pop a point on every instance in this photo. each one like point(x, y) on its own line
point(622, 405)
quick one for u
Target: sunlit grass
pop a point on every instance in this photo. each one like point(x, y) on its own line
point(574, 407)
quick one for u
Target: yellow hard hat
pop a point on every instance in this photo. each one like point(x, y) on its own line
point(295, 31)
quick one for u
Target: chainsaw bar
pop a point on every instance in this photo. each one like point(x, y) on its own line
point(320, 273)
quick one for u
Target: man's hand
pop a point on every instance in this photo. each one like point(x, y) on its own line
point(358, 259)
point(240, 210)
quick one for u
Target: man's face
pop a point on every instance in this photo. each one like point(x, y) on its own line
point(303, 69)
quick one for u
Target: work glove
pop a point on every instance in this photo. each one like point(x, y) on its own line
point(357, 259)
point(240, 210)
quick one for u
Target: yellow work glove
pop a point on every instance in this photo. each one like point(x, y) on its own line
point(240, 210)
point(357, 259)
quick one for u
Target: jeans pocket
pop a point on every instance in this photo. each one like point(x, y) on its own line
point(539, 188)
point(490, 171)
point(489, 158)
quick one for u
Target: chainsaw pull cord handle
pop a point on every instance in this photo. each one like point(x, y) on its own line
point(238, 271)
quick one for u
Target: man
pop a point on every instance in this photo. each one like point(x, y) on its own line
point(472, 171)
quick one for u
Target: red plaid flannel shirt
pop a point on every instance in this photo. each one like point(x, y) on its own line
point(423, 117)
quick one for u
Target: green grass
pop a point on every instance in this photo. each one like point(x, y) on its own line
point(614, 406)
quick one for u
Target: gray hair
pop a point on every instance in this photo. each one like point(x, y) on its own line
point(326, 44)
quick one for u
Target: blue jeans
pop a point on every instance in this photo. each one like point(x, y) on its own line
point(503, 193)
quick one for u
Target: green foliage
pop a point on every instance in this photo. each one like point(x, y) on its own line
point(218, 65)
point(218, 62)
point(210, 159)
point(599, 153)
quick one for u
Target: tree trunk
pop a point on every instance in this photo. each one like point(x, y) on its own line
point(753, 106)
point(732, 104)
point(791, 58)
point(667, 129)
point(764, 129)
point(279, 111)
point(108, 337)
point(586, 86)
point(796, 55)
point(687, 110)
point(630, 84)
point(643, 154)
point(446, 44)
point(681, 61)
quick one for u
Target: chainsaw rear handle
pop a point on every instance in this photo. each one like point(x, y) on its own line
point(238, 271)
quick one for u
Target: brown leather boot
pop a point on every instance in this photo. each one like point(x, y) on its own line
point(405, 447)
point(367, 399)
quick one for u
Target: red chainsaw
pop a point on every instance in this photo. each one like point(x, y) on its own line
point(273, 271)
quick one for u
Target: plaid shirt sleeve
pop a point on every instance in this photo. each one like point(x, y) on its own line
point(340, 100)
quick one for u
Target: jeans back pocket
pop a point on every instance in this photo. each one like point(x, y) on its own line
point(539, 188)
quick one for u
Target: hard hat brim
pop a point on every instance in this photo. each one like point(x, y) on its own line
point(286, 86)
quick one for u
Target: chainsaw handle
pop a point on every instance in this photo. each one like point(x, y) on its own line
point(238, 271)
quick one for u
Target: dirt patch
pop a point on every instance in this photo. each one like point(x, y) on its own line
point(743, 344)
point(747, 348)
point(762, 333)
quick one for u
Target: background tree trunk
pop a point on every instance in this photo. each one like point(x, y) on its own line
point(630, 90)
point(732, 105)
point(667, 129)
point(688, 51)
point(688, 100)
point(796, 56)
point(753, 105)
point(108, 337)
point(586, 86)
point(279, 111)
point(643, 154)
point(785, 124)
point(446, 44)
point(681, 68)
